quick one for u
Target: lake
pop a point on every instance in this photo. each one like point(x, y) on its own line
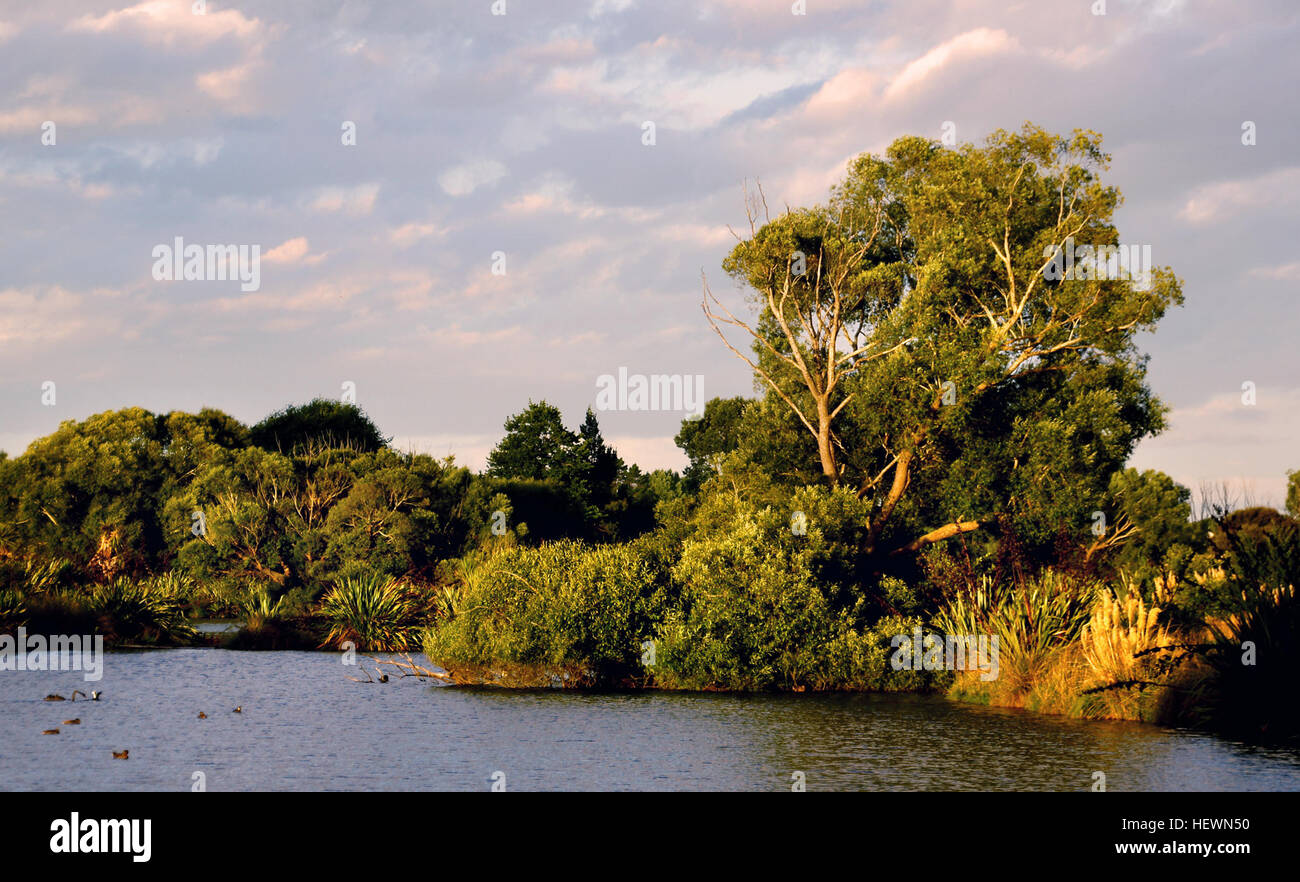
point(306, 726)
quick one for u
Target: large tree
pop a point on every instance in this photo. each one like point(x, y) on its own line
point(914, 333)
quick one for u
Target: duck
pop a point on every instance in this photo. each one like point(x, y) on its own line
point(383, 678)
point(50, 732)
point(238, 710)
point(94, 696)
point(55, 698)
point(125, 754)
point(202, 715)
point(76, 722)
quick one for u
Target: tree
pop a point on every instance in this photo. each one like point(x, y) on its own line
point(1293, 494)
point(320, 422)
point(1151, 514)
point(915, 334)
point(536, 446)
point(89, 491)
point(598, 466)
point(713, 433)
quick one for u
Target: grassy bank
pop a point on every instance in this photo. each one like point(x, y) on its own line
point(1092, 651)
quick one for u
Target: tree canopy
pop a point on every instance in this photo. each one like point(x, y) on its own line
point(915, 347)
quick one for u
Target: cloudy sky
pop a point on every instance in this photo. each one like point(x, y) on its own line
point(523, 133)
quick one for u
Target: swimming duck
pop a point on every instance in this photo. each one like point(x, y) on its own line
point(123, 755)
point(202, 715)
point(55, 698)
point(76, 722)
point(238, 710)
point(50, 732)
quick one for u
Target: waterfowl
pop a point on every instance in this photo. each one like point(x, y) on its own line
point(55, 698)
point(123, 755)
point(238, 710)
point(50, 732)
point(94, 696)
point(76, 722)
point(202, 715)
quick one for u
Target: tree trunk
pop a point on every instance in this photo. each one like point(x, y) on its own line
point(825, 449)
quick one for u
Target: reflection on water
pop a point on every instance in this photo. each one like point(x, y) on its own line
point(306, 726)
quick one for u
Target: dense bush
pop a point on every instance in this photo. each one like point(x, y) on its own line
point(562, 603)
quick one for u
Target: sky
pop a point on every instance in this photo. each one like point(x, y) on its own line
point(501, 230)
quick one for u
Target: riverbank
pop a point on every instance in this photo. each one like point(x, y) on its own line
point(306, 726)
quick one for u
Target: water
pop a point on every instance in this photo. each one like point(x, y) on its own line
point(305, 726)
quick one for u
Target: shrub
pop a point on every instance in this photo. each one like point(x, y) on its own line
point(762, 606)
point(563, 603)
point(375, 613)
point(1254, 656)
point(144, 610)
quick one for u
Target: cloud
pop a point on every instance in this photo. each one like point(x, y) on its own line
point(961, 49)
point(409, 234)
point(459, 338)
point(170, 22)
point(359, 200)
point(291, 251)
point(1222, 199)
point(461, 180)
point(1286, 272)
point(36, 316)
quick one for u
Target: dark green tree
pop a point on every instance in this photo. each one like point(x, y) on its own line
point(321, 422)
point(536, 446)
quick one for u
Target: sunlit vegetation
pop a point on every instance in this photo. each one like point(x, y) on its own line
point(940, 443)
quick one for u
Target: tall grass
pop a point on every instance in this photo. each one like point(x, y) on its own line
point(13, 609)
point(1117, 635)
point(147, 610)
point(1119, 648)
point(1033, 621)
point(375, 613)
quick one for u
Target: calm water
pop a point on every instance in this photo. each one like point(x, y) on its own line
point(305, 726)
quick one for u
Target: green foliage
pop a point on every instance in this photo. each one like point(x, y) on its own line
point(564, 484)
point(13, 609)
point(561, 603)
point(1032, 621)
point(771, 597)
point(924, 358)
point(706, 438)
point(141, 611)
point(376, 614)
point(320, 423)
point(1255, 654)
point(1159, 509)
